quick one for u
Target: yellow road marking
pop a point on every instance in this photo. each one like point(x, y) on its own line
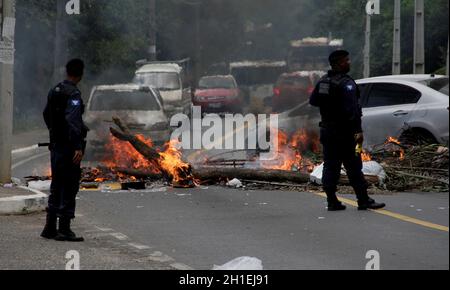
point(394, 215)
point(89, 189)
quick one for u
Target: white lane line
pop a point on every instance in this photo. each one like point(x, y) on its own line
point(155, 256)
point(182, 267)
point(119, 236)
point(26, 149)
point(159, 257)
point(14, 166)
point(104, 229)
point(139, 246)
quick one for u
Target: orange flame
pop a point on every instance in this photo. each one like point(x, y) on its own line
point(303, 141)
point(285, 158)
point(172, 163)
point(124, 155)
point(366, 157)
point(396, 141)
point(393, 140)
point(289, 154)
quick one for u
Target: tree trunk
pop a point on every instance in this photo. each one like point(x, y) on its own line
point(139, 173)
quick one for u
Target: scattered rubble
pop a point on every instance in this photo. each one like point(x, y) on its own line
point(41, 185)
point(235, 183)
point(423, 168)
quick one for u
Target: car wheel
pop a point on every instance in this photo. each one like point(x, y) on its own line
point(417, 137)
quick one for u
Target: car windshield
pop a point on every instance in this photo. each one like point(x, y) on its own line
point(160, 80)
point(217, 83)
point(112, 100)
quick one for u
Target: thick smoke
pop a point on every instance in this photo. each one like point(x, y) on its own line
point(110, 35)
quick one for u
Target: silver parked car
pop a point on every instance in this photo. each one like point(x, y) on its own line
point(139, 107)
point(412, 108)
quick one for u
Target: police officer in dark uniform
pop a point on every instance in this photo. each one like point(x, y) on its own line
point(337, 96)
point(63, 116)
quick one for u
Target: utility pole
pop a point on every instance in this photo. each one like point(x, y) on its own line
point(446, 71)
point(7, 30)
point(152, 47)
point(396, 59)
point(198, 42)
point(61, 45)
point(367, 47)
point(419, 38)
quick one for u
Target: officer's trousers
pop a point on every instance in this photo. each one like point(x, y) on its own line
point(65, 182)
point(339, 149)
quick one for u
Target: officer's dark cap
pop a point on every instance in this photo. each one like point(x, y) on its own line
point(337, 55)
point(75, 67)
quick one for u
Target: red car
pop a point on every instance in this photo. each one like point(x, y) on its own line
point(292, 89)
point(218, 94)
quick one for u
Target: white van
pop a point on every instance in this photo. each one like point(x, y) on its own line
point(168, 78)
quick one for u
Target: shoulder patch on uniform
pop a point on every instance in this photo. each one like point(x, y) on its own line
point(57, 89)
point(75, 102)
point(349, 87)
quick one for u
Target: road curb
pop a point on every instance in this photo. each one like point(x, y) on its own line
point(19, 205)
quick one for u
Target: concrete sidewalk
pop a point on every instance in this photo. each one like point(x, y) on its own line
point(15, 200)
point(23, 249)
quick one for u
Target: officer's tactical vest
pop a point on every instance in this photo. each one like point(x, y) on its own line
point(331, 99)
point(58, 101)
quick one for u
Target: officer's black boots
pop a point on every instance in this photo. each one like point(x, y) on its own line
point(370, 204)
point(333, 202)
point(65, 234)
point(50, 231)
point(336, 206)
point(365, 202)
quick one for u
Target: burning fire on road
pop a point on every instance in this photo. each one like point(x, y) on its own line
point(122, 156)
point(132, 161)
point(291, 152)
point(401, 151)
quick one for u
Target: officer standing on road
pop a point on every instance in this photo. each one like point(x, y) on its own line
point(337, 96)
point(63, 116)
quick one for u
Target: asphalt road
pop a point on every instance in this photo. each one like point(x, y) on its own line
point(285, 230)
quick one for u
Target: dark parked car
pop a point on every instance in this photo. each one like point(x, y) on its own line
point(292, 89)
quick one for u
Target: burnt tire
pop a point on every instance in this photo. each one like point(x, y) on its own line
point(417, 137)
